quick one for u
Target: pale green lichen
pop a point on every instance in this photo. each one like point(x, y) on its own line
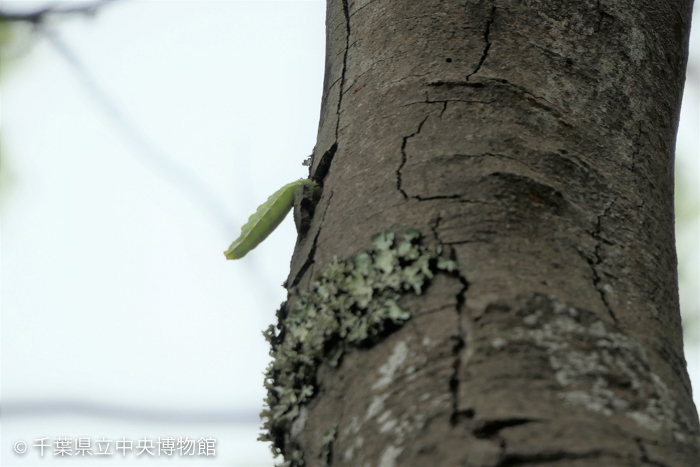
point(327, 446)
point(353, 303)
point(598, 366)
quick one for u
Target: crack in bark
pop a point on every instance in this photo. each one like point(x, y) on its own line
point(485, 53)
point(644, 456)
point(496, 82)
point(309, 261)
point(444, 107)
point(324, 164)
point(461, 341)
point(534, 100)
point(457, 415)
point(346, 12)
point(440, 82)
point(434, 228)
point(511, 460)
point(432, 198)
point(404, 157)
point(362, 8)
point(328, 91)
point(491, 428)
point(445, 101)
point(598, 260)
point(310, 258)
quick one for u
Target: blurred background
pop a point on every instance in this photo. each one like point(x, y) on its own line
point(135, 143)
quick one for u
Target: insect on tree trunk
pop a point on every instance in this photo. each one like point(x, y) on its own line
point(498, 191)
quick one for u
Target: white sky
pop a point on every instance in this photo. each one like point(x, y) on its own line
point(114, 288)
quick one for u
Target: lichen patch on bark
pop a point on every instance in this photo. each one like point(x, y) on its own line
point(598, 367)
point(353, 303)
point(535, 140)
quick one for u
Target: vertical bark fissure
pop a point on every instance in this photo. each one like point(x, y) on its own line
point(457, 415)
point(485, 54)
point(597, 279)
point(464, 342)
point(435, 226)
point(644, 456)
point(404, 158)
point(324, 165)
point(444, 108)
point(312, 252)
point(346, 12)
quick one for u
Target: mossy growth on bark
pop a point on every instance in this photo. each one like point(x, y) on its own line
point(353, 303)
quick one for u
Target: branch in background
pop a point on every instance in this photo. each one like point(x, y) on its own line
point(63, 407)
point(37, 17)
point(174, 173)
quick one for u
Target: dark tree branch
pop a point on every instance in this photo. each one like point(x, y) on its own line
point(37, 17)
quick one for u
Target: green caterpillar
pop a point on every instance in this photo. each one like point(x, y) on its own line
point(266, 219)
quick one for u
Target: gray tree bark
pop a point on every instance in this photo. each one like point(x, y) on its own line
point(534, 141)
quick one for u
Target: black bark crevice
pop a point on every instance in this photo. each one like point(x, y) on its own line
point(644, 456)
point(511, 460)
point(461, 341)
point(432, 198)
point(434, 228)
point(310, 258)
point(448, 84)
point(491, 428)
point(459, 344)
point(485, 53)
point(444, 107)
point(404, 157)
point(346, 12)
point(361, 8)
point(598, 260)
point(465, 242)
point(459, 416)
point(446, 101)
point(324, 165)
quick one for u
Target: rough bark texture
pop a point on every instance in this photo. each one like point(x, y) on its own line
point(535, 140)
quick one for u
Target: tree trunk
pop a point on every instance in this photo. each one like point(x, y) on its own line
point(536, 319)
